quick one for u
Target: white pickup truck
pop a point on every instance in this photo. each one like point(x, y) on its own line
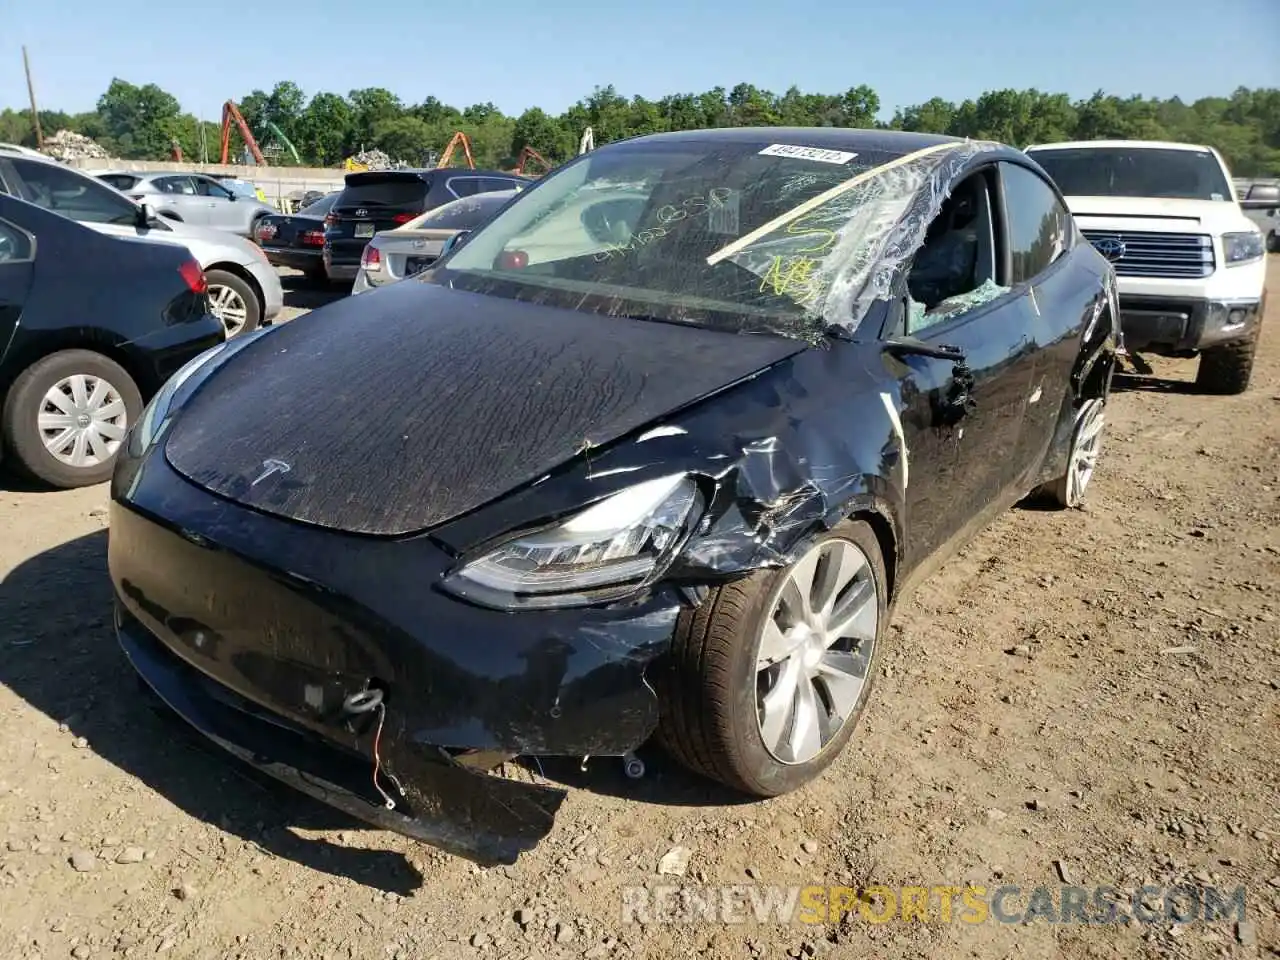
point(1190, 265)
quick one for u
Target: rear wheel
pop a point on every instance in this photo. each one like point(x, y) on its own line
point(1227, 369)
point(66, 416)
point(769, 676)
point(233, 302)
point(1086, 442)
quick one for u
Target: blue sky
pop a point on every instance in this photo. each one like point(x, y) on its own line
point(550, 53)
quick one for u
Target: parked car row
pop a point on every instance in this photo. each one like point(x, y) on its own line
point(91, 326)
point(244, 289)
point(410, 213)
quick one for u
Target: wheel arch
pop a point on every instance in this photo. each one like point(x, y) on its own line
point(883, 526)
point(24, 356)
point(240, 272)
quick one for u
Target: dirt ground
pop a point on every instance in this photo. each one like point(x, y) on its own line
point(1083, 695)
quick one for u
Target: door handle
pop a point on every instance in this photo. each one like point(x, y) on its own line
point(962, 383)
point(956, 398)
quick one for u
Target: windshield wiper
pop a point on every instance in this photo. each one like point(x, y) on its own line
point(913, 346)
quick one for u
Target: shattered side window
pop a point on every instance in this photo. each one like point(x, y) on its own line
point(921, 317)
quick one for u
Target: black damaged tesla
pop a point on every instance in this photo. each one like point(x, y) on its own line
point(655, 451)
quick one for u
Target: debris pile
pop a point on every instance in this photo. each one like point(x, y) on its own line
point(69, 145)
point(373, 160)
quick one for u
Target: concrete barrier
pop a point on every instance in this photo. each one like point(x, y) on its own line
point(278, 183)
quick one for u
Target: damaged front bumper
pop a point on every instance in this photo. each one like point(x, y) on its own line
point(265, 635)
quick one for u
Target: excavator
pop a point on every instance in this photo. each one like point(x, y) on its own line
point(459, 139)
point(231, 114)
point(527, 153)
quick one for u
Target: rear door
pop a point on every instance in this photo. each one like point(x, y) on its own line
point(73, 195)
point(371, 202)
point(222, 208)
point(17, 257)
point(179, 194)
point(1040, 233)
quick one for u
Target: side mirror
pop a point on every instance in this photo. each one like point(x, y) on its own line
point(457, 240)
point(144, 216)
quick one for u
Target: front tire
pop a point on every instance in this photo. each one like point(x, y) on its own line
point(233, 302)
point(66, 416)
point(770, 674)
point(1226, 370)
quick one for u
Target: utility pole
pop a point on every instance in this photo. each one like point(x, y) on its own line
point(31, 92)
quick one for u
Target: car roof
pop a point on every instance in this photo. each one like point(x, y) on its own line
point(22, 151)
point(423, 173)
point(1128, 144)
point(826, 138)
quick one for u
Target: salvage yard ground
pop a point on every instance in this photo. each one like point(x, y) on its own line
point(1090, 697)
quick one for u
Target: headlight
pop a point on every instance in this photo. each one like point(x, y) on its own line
point(1243, 247)
point(603, 553)
point(172, 396)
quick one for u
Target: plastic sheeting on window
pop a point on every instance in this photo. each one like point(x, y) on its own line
point(840, 251)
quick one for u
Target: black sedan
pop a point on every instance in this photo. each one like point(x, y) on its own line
point(296, 240)
point(90, 327)
point(655, 450)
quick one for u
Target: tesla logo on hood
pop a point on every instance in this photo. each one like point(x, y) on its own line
point(269, 469)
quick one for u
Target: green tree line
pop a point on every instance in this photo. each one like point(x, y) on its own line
point(141, 122)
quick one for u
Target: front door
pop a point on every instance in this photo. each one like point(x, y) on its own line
point(178, 194)
point(962, 420)
point(222, 209)
point(966, 411)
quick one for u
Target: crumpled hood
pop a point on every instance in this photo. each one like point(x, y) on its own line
point(398, 410)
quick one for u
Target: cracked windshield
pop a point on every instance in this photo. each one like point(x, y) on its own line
point(671, 233)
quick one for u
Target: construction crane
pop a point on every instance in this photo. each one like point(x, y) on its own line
point(459, 139)
point(527, 153)
point(288, 145)
point(230, 112)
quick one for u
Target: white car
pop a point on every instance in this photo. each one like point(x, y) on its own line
point(1190, 265)
point(395, 254)
point(244, 289)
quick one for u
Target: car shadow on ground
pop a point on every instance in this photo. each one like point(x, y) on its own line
point(11, 481)
point(58, 652)
point(301, 293)
point(1147, 383)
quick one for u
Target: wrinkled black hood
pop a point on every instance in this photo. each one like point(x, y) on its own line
point(401, 409)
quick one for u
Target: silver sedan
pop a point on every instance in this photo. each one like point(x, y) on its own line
point(395, 254)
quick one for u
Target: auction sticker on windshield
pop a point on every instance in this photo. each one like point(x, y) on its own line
point(806, 153)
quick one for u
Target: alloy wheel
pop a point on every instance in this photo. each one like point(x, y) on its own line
point(82, 421)
point(814, 650)
point(229, 307)
point(1085, 446)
